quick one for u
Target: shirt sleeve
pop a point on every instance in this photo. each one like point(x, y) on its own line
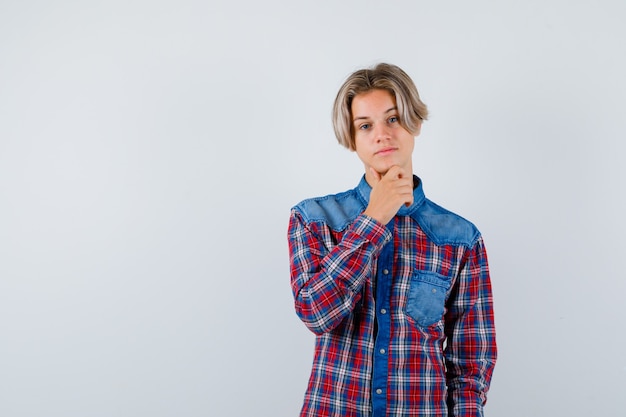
point(471, 339)
point(327, 281)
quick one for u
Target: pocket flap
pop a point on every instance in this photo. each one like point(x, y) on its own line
point(427, 297)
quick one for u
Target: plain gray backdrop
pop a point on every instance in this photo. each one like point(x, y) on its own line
point(150, 152)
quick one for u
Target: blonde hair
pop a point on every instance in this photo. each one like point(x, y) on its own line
point(411, 110)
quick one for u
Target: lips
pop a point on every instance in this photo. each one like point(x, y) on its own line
point(385, 151)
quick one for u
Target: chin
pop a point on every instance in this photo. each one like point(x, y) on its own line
point(383, 170)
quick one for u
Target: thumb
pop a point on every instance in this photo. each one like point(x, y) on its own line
point(375, 175)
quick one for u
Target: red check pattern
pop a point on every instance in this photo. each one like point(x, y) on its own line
point(442, 369)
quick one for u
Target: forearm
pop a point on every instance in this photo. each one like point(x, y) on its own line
point(468, 383)
point(327, 281)
point(471, 350)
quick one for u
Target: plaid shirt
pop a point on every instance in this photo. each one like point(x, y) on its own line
point(403, 313)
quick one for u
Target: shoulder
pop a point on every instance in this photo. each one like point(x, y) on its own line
point(444, 226)
point(335, 210)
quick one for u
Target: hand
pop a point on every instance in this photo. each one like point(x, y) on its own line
point(389, 193)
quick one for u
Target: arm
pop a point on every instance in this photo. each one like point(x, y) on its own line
point(471, 340)
point(327, 282)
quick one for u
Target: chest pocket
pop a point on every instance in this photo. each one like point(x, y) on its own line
point(427, 297)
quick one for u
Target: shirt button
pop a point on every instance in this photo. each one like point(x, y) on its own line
point(379, 391)
point(385, 271)
point(383, 311)
point(382, 351)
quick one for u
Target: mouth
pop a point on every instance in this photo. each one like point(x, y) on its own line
point(385, 151)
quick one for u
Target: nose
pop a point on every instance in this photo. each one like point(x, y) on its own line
point(382, 132)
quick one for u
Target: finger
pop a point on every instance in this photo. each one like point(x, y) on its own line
point(405, 184)
point(408, 192)
point(394, 172)
point(375, 175)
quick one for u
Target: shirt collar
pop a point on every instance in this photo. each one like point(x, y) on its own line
point(364, 191)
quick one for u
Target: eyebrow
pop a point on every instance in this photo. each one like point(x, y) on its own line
point(365, 118)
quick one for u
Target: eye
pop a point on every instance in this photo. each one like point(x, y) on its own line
point(393, 119)
point(364, 126)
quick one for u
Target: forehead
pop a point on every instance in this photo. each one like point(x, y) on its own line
point(372, 102)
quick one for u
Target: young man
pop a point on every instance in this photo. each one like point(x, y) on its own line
point(395, 287)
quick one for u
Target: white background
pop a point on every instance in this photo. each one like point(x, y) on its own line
point(150, 152)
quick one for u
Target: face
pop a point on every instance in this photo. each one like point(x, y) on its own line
point(381, 141)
